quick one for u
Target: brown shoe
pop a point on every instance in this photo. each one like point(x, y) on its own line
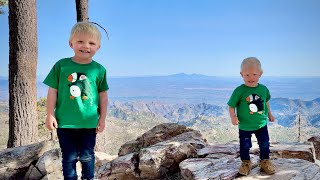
point(267, 166)
point(245, 167)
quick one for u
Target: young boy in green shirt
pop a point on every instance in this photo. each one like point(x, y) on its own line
point(77, 101)
point(249, 109)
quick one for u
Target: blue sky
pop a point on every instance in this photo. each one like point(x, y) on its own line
point(165, 37)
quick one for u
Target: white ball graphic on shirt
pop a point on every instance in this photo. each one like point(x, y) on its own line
point(75, 91)
point(253, 108)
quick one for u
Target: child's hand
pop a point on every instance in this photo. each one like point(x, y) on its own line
point(272, 118)
point(101, 125)
point(235, 120)
point(51, 123)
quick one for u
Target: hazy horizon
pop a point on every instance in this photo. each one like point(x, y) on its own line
point(193, 88)
point(191, 74)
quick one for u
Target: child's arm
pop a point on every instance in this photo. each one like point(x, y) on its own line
point(51, 121)
point(271, 117)
point(233, 116)
point(103, 105)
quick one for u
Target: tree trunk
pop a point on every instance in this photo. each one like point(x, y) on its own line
point(23, 54)
point(82, 15)
point(82, 10)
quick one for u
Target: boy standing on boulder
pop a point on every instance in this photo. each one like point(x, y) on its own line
point(77, 101)
point(249, 109)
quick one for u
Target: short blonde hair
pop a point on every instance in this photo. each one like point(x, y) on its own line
point(249, 62)
point(85, 28)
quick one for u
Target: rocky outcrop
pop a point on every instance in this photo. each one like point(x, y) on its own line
point(162, 159)
point(123, 167)
point(157, 134)
point(48, 165)
point(38, 161)
point(15, 162)
point(292, 150)
point(227, 168)
point(217, 167)
point(163, 152)
point(277, 150)
point(222, 161)
point(154, 155)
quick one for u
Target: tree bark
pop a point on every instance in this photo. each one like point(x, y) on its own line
point(82, 10)
point(23, 54)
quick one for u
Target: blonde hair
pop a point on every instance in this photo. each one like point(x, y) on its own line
point(249, 62)
point(85, 28)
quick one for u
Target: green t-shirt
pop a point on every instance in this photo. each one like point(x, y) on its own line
point(250, 104)
point(78, 87)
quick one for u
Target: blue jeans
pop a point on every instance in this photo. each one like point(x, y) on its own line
point(262, 136)
point(77, 144)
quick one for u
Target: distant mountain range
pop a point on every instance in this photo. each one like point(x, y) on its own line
point(192, 88)
point(286, 111)
point(185, 98)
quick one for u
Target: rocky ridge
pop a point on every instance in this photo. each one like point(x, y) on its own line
point(168, 151)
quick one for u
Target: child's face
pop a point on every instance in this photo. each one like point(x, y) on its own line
point(84, 46)
point(251, 75)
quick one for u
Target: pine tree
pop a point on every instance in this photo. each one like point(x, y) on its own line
point(23, 56)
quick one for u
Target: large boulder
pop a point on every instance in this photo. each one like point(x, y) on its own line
point(15, 162)
point(292, 150)
point(154, 155)
point(123, 167)
point(162, 159)
point(157, 134)
point(49, 164)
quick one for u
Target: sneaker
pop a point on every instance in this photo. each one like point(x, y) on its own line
point(267, 166)
point(245, 167)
